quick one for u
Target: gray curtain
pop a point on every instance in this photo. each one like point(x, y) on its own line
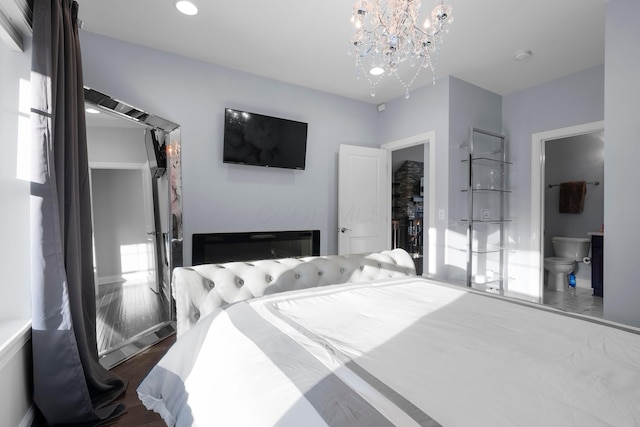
point(70, 386)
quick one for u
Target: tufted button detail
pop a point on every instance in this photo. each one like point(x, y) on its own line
point(263, 276)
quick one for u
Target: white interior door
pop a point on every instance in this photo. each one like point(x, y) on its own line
point(364, 198)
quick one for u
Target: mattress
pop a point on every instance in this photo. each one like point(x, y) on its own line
point(398, 352)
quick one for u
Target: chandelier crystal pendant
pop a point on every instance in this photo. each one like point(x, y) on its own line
point(390, 32)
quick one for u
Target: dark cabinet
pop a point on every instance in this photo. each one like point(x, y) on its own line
point(597, 264)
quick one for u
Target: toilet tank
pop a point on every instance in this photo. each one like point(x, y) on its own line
point(575, 248)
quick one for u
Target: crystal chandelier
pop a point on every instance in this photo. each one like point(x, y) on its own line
point(390, 32)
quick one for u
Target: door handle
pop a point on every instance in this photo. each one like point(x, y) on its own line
point(342, 229)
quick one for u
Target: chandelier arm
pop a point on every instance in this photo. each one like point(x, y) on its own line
point(424, 33)
point(395, 37)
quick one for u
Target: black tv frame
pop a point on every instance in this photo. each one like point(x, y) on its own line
point(238, 148)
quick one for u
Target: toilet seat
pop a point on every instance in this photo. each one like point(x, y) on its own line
point(560, 261)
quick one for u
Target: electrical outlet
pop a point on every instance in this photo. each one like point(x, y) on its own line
point(441, 214)
point(485, 214)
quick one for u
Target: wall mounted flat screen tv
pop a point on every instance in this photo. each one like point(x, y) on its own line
point(255, 139)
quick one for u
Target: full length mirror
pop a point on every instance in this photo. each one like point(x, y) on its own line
point(135, 174)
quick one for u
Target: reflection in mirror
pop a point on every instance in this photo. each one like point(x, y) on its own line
point(135, 174)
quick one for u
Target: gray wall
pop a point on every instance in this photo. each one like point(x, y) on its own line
point(116, 145)
point(426, 110)
point(449, 109)
point(15, 105)
point(117, 195)
point(15, 306)
point(622, 152)
point(568, 101)
point(221, 197)
point(578, 158)
point(470, 106)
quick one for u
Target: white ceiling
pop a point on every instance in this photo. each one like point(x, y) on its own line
point(304, 42)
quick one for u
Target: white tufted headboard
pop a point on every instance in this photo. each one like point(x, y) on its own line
point(200, 289)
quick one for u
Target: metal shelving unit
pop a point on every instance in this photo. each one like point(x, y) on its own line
point(486, 205)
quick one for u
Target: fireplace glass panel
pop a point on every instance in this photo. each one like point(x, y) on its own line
point(215, 248)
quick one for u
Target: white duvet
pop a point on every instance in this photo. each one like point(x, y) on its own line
point(402, 352)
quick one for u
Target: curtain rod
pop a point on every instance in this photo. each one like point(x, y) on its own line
point(592, 182)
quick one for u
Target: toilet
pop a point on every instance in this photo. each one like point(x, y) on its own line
point(568, 251)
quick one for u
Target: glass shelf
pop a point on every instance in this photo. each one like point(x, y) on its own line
point(487, 221)
point(489, 159)
point(486, 190)
point(488, 251)
point(486, 168)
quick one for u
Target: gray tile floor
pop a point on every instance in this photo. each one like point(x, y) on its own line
point(575, 300)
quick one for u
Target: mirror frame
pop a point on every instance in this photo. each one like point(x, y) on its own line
point(170, 131)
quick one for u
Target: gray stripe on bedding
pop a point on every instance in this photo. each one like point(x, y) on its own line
point(334, 401)
point(400, 401)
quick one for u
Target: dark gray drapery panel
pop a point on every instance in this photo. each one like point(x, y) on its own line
point(70, 386)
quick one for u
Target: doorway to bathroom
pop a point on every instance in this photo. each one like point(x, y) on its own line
point(572, 155)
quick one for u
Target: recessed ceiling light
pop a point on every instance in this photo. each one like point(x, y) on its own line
point(187, 7)
point(92, 111)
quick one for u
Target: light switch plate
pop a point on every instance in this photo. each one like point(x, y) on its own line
point(485, 214)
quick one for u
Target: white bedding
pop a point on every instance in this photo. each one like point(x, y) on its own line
point(401, 352)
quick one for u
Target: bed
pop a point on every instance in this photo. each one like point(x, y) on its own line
point(396, 351)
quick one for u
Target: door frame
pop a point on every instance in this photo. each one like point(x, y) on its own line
point(429, 141)
point(538, 141)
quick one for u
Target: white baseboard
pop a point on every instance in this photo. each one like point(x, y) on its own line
point(110, 279)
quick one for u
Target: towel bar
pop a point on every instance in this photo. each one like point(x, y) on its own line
point(592, 182)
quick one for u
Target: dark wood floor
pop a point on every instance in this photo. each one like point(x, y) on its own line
point(134, 370)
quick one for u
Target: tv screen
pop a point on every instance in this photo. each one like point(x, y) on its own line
point(255, 139)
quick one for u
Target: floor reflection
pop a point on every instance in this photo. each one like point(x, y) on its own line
point(126, 308)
